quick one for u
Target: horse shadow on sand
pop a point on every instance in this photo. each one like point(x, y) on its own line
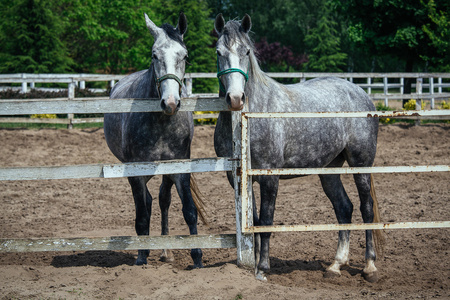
point(105, 259)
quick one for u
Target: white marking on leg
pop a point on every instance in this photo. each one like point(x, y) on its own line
point(341, 258)
point(370, 267)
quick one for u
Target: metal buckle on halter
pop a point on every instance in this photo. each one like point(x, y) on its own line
point(168, 76)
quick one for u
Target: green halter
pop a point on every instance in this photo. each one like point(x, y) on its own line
point(227, 71)
point(167, 76)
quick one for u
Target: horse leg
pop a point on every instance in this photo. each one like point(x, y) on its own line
point(165, 199)
point(370, 272)
point(257, 236)
point(143, 206)
point(343, 209)
point(269, 189)
point(182, 183)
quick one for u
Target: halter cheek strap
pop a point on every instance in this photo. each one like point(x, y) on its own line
point(228, 71)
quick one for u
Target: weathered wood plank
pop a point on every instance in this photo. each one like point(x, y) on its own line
point(168, 167)
point(335, 227)
point(119, 243)
point(117, 170)
point(56, 172)
point(102, 105)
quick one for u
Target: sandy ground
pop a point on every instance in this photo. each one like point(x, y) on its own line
point(414, 265)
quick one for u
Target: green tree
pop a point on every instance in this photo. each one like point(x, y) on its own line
point(438, 30)
point(198, 38)
point(30, 38)
point(108, 36)
point(111, 37)
point(286, 22)
point(391, 28)
point(324, 46)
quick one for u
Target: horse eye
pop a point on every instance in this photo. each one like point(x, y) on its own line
point(218, 53)
point(248, 52)
point(185, 57)
point(155, 57)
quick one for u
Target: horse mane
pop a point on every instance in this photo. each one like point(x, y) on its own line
point(231, 34)
point(173, 33)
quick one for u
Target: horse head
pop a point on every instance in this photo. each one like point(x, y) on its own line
point(233, 58)
point(169, 56)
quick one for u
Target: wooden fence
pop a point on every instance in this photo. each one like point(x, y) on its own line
point(238, 164)
point(94, 105)
point(380, 86)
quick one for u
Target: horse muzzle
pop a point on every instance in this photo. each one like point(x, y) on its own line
point(170, 106)
point(235, 101)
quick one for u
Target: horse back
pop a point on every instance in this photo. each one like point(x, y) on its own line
point(310, 142)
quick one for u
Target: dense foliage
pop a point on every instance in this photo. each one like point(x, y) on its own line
point(99, 36)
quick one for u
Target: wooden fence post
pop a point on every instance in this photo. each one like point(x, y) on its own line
point(431, 90)
point(419, 86)
point(244, 242)
point(24, 84)
point(402, 85)
point(71, 96)
point(189, 86)
point(385, 90)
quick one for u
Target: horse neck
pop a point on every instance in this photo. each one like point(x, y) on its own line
point(260, 89)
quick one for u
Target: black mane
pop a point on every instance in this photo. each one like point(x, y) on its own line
point(173, 33)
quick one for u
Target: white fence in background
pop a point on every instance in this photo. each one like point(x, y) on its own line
point(380, 86)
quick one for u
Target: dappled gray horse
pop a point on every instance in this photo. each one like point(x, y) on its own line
point(294, 142)
point(153, 136)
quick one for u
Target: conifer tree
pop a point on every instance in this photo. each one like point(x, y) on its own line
point(30, 41)
point(324, 46)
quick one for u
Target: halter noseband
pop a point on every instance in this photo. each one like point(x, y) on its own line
point(164, 77)
point(228, 71)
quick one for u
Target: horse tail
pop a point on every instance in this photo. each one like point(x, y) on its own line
point(198, 201)
point(378, 235)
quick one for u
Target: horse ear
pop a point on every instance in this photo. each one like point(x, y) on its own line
point(219, 24)
point(154, 30)
point(182, 23)
point(246, 23)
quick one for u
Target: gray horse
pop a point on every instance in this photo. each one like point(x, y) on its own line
point(153, 136)
point(294, 142)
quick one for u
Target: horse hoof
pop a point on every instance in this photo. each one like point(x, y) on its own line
point(198, 266)
point(260, 276)
point(166, 256)
point(331, 274)
point(141, 261)
point(166, 259)
point(370, 277)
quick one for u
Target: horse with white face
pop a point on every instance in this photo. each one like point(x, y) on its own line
point(297, 142)
point(154, 136)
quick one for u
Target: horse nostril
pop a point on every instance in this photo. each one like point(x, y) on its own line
point(243, 98)
point(163, 105)
point(179, 104)
point(228, 99)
